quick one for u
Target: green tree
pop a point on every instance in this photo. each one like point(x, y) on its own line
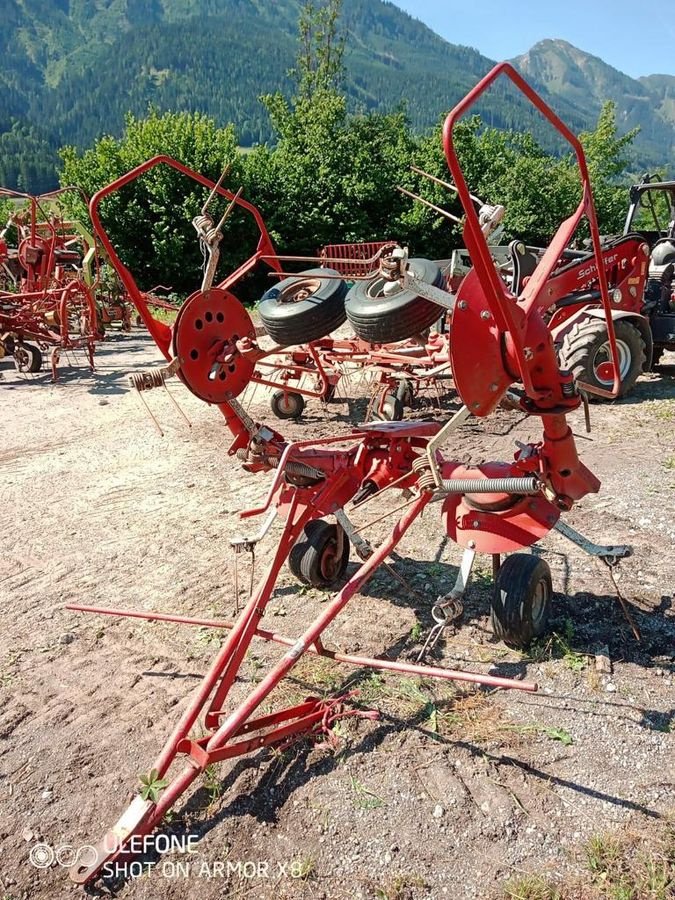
point(537, 188)
point(149, 221)
point(331, 175)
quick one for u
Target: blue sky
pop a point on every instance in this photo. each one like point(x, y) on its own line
point(635, 39)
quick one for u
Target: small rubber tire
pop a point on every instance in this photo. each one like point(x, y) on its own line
point(405, 393)
point(34, 354)
point(383, 318)
point(391, 411)
point(581, 346)
point(521, 600)
point(287, 404)
point(313, 557)
point(304, 308)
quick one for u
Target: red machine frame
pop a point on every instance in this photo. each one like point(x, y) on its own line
point(494, 508)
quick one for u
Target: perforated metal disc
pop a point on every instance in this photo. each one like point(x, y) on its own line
point(205, 324)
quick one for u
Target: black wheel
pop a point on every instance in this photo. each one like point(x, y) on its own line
point(405, 393)
point(330, 393)
point(304, 308)
point(314, 557)
point(521, 602)
point(380, 311)
point(585, 351)
point(287, 404)
point(27, 358)
point(391, 411)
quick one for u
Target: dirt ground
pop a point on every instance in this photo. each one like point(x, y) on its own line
point(450, 793)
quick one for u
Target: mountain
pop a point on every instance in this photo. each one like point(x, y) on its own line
point(586, 82)
point(73, 68)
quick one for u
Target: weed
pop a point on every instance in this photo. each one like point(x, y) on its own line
point(559, 734)
point(398, 887)
point(304, 869)
point(531, 887)
point(669, 462)
point(416, 632)
point(363, 797)
point(212, 783)
point(151, 785)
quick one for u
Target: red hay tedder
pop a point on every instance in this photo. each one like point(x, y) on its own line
point(45, 300)
point(500, 342)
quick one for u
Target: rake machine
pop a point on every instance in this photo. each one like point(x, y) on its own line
point(46, 300)
point(500, 342)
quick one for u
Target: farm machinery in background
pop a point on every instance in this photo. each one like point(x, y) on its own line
point(500, 343)
point(45, 300)
point(395, 340)
point(651, 214)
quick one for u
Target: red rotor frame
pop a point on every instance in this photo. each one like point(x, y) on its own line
point(316, 478)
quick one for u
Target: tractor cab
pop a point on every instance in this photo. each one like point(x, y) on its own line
point(652, 215)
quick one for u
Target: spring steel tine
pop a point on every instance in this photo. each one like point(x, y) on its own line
point(150, 413)
point(230, 207)
point(442, 212)
point(215, 189)
point(176, 404)
point(445, 184)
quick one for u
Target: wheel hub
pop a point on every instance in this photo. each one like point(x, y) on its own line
point(603, 366)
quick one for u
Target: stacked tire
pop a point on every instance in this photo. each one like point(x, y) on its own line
point(382, 312)
point(304, 308)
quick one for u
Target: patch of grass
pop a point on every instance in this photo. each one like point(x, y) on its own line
point(665, 411)
point(164, 315)
point(669, 462)
point(558, 646)
point(399, 887)
point(632, 867)
point(304, 869)
point(531, 887)
point(363, 797)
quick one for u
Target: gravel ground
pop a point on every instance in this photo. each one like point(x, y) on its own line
point(450, 793)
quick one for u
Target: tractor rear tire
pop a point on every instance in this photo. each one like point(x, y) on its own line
point(521, 602)
point(27, 358)
point(384, 318)
point(304, 308)
point(585, 352)
point(313, 558)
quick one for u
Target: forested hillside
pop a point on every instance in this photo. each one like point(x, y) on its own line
point(72, 69)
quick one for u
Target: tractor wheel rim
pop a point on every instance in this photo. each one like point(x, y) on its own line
point(23, 358)
point(603, 368)
point(539, 602)
point(300, 290)
point(376, 289)
point(288, 404)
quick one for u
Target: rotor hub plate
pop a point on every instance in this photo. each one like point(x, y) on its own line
point(205, 334)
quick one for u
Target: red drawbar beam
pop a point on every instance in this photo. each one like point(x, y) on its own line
point(386, 665)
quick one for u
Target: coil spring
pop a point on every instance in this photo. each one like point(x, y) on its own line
point(299, 469)
point(205, 227)
point(526, 485)
point(425, 477)
point(146, 381)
